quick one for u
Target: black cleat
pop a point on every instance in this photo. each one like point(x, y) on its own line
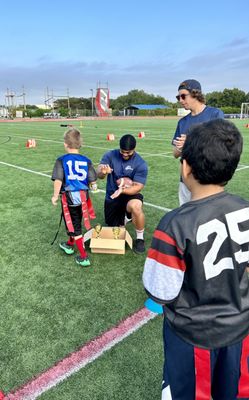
point(138, 246)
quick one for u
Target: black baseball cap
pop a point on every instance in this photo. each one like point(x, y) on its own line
point(190, 84)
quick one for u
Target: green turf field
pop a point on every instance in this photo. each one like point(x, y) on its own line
point(49, 305)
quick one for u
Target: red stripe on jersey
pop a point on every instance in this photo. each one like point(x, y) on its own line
point(244, 370)
point(167, 260)
point(166, 238)
point(202, 374)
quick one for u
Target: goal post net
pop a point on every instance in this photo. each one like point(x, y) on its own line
point(244, 111)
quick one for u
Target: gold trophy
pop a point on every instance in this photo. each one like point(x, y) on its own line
point(116, 232)
point(97, 229)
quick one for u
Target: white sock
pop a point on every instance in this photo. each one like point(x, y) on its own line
point(126, 220)
point(140, 234)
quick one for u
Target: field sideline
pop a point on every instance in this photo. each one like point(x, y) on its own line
point(51, 309)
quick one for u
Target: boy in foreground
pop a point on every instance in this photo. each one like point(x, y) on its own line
point(72, 175)
point(197, 268)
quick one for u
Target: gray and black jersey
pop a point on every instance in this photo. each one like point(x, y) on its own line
point(196, 267)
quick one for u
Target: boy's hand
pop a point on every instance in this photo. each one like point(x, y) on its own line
point(54, 200)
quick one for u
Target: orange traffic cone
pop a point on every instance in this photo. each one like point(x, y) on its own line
point(110, 136)
point(31, 143)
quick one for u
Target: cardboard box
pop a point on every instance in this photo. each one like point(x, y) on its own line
point(106, 243)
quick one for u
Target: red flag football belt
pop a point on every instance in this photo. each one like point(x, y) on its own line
point(87, 211)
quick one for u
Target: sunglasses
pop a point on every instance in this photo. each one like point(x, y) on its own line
point(182, 96)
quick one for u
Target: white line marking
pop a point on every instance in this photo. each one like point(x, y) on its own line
point(49, 176)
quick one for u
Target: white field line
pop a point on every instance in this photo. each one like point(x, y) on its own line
point(82, 357)
point(49, 176)
point(97, 147)
point(241, 166)
point(116, 131)
point(89, 352)
point(24, 169)
point(100, 190)
point(165, 155)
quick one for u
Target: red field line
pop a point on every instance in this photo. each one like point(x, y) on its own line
point(80, 358)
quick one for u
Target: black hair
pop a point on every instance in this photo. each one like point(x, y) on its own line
point(127, 142)
point(213, 150)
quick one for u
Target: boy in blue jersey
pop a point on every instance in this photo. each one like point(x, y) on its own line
point(72, 175)
point(191, 98)
point(197, 269)
point(125, 201)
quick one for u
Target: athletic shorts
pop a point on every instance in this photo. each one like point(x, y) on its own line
point(192, 373)
point(76, 216)
point(115, 210)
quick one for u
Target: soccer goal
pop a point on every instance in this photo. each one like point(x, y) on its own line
point(244, 111)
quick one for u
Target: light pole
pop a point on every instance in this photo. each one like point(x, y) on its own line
point(91, 90)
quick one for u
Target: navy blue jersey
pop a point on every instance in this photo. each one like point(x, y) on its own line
point(196, 266)
point(185, 123)
point(135, 168)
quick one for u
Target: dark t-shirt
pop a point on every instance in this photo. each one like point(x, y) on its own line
point(185, 123)
point(196, 266)
point(135, 168)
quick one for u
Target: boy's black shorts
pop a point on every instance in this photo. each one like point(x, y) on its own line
point(76, 216)
point(115, 210)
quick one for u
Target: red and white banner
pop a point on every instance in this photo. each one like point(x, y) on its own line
point(102, 102)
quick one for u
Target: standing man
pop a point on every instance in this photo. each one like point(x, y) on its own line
point(191, 98)
point(126, 175)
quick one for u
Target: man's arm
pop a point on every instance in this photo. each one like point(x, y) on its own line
point(134, 189)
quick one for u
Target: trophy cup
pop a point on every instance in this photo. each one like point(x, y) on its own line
point(97, 229)
point(116, 232)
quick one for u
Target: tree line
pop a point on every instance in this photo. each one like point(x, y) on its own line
point(229, 100)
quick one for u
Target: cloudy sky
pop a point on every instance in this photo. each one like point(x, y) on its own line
point(76, 45)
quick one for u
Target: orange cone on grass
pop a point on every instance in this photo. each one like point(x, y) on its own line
point(110, 136)
point(30, 143)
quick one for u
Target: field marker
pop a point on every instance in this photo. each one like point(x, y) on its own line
point(77, 360)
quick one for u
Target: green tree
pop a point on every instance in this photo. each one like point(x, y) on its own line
point(227, 98)
point(136, 96)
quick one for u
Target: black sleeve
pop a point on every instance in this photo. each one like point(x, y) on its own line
point(58, 172)
point(92, 174)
